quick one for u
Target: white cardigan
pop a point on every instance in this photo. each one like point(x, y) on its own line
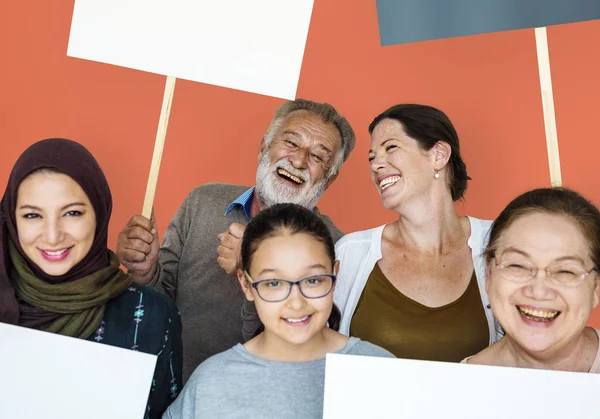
point(358, 252)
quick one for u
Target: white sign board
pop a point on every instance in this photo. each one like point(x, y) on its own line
point(380, 388)
point(44, 375)
point(251, 45)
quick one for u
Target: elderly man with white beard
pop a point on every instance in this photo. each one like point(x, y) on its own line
point(299, 157)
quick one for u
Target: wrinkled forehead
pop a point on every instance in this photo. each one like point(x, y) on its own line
point(310, 126)
point(545, 236)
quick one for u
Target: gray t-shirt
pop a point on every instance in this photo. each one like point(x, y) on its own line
point(237, 384)
point(210, 301)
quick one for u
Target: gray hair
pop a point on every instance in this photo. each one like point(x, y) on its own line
point(328, 115)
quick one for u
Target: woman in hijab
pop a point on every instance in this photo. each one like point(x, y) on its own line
point(57, 274)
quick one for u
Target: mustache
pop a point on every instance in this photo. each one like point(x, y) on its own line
point(287, 166)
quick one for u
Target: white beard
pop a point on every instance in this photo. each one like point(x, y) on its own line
point(273, 190)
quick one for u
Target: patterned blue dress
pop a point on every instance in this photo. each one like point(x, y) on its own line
point(142, 319)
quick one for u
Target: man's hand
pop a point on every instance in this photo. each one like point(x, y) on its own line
point(137, 248)
point(230, 247)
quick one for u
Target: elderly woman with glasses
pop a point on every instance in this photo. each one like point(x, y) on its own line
point(543, 282)
point(289, 271)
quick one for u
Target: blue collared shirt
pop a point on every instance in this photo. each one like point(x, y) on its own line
point(244, 201)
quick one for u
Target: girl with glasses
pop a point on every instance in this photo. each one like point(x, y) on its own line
point(288, 269)
point(543, 283)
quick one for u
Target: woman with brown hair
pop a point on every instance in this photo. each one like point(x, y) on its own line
point(416, 286)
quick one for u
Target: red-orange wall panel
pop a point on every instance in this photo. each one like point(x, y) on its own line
point(575, 66)
point(488, 85)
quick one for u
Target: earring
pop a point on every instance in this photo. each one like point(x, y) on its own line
point(436, 174)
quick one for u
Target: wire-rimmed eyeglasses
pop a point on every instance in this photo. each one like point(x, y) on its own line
point(564, 274)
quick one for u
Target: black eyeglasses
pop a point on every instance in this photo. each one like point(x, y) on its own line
point(274, 290)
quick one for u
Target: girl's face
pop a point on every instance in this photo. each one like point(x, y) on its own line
point(56, 223)
point(296, 320)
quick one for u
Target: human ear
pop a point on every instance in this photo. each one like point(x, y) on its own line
point(596, 290)
point(442, 152)
point(246, 287)
point(262, 148)
point(488, 273)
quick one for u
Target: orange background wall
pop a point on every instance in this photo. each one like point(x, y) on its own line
point(488, 85)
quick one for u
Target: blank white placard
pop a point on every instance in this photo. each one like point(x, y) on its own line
point(44, 375)
point(251, 45)
point(381, 388)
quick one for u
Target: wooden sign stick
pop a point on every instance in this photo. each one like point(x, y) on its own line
point(541, 41)
point(159, 144)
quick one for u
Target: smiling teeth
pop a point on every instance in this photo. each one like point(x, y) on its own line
point(297, 320)
point(290, 176)
point(539, 313)
point(388, 181)
point(56, 253)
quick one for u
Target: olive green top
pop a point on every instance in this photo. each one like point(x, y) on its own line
point(387, 318)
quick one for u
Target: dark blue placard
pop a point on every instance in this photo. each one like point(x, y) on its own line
point(404, 21)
